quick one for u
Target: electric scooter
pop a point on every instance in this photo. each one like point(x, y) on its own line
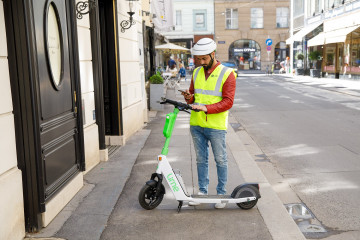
point(152, 193)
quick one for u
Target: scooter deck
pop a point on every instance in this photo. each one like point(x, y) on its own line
point(212, 196)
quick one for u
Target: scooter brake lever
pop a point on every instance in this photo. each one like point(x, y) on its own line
point(163, 100)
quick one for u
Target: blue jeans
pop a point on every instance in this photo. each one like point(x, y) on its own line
point(201, 137)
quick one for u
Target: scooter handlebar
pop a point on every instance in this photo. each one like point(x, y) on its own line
point(181, 106)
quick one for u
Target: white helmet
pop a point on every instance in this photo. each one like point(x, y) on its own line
point(204, 46)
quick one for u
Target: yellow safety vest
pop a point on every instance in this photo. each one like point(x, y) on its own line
point(209, 91)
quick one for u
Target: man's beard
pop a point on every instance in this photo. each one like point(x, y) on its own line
point(207, 67)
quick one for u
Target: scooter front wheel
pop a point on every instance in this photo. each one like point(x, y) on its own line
point(244, 192)
point(148, 199)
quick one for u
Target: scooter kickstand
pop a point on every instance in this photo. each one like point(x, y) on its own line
point(179, 207)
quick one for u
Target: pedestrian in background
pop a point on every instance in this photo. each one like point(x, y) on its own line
point(182, 72)
point(171, 63)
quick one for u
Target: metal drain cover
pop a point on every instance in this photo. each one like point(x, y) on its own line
point(304, 218)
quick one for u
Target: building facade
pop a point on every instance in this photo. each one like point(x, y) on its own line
point(192, 20)
point(242, 29)
point(331, 28)
point(72, 84)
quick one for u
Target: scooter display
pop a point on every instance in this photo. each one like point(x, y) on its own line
point(152, 193)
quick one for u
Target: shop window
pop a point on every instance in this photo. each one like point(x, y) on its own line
point(355, 52)
point(282, 16)
point(257, 18)
point(246, 53)
point(231, 18)
point(199, 20)
point(281, 52)
point(330, 54)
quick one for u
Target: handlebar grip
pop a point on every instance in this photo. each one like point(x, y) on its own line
point(178, 104)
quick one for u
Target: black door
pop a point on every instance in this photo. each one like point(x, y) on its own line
point(44, 76)
point(110, 68)
point(56, 94)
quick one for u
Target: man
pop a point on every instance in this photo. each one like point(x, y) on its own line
point(282, 67)
point(287, 65)
point(212, 91)
point(171, 63)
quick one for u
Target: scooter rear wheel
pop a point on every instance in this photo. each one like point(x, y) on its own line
point(148, 199)
point(244, 192)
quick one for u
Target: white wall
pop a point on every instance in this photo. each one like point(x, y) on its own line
point(186, 7)
point(132, 89)
point(12, 224)
point(91, 135)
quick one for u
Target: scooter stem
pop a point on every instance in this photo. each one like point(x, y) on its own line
point(168, 129)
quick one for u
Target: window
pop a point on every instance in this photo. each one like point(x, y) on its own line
point(199, 20)
point(330, 54)
point(178, 18)
point(257, 18)
point(298, 8)
point(314, 7)
point(282, 16)
point(337, 3)
point(355, 52)
point(246, 53)
point(329, 4)
point(231, 18)
point(318, 6)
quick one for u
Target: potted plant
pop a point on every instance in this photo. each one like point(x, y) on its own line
point(156, 92)
point(299, 69)
point(314, 57)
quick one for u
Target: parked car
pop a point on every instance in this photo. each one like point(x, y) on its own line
point(231, 65)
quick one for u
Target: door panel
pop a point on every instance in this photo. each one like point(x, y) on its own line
point(56, 94)
point(55, 100)
point(59, 149)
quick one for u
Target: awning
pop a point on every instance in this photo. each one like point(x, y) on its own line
point(317, 40)
point(300, 34)
point(338, 35)
point(171, 47)
point(335, 36)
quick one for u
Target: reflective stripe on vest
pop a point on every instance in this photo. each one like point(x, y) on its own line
point(215, 92)
point(207, 92)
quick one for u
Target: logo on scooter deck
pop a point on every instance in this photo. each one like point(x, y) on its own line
point(172, 182)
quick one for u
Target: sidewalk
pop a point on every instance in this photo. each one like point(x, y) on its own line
point(350, 87)
point(107, 205)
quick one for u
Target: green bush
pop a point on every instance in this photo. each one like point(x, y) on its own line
point(299, 56)
point(156, 79)
point(315, 55)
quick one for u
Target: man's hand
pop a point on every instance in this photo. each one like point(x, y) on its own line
point(200, 107)
point(187, 94)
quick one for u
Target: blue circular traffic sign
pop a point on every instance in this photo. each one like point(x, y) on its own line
point(268, 42)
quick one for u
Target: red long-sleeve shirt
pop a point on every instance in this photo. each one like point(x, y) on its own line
point(228, 93)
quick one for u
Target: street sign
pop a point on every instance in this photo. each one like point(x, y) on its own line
point(268, 42)
point(268, 48)
point(221, 42)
